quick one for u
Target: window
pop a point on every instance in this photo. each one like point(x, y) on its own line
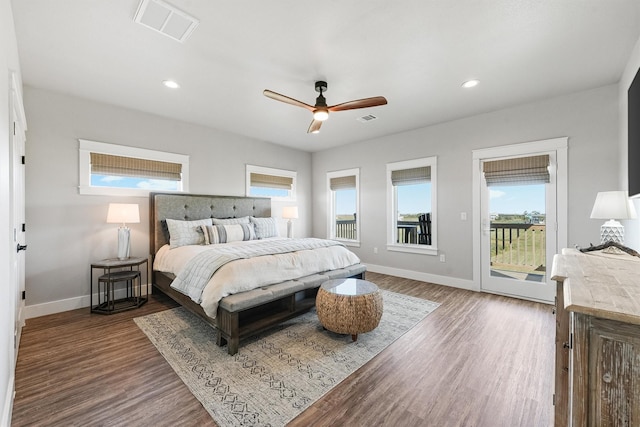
point(411, 199)
point(267, 182)
point(118, 170)
point(344, 206)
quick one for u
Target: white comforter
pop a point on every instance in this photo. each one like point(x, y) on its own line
point(246, 274)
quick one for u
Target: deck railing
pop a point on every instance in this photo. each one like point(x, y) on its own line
point(407, 230)
point(518, 245)
point(346, 229)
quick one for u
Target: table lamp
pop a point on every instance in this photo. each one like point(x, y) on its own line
point(121, 213)
point(612, 205)
point(290, 213)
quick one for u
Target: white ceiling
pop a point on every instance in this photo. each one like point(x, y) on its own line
point(416, 53)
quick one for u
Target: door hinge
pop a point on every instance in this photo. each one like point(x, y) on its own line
point(24, 227)
point(14, 128)
point(24, 294)
point(554, 399)
point(23, 160)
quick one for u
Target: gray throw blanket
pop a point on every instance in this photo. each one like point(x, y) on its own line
point(196, 274)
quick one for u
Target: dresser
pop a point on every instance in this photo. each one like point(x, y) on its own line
point(597, 372)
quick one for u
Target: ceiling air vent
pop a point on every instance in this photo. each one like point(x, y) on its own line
point(367, 118)
point(166, 19)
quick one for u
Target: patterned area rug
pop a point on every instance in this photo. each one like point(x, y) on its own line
point(275, 375)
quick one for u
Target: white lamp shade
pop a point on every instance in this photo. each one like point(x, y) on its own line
point(290, 212)
point(121, 213)
point(613, 205)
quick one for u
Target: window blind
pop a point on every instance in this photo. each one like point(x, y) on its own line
point(411, 176)
point(520, 170)
point(107, 164)
point(342, 182)
point(271, 181)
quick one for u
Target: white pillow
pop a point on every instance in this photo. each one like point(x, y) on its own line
point(265, 227)
point(214, 234)
point(226, 221)
point(183, 233)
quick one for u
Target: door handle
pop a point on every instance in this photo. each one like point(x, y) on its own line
point(21, 248)
point(486, 227)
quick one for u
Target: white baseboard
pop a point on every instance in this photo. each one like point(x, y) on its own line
point(423, 277)
point(8, 402)
point(53, 307)
point(59, 306)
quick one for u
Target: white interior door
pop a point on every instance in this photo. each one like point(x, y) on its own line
point(18, 212)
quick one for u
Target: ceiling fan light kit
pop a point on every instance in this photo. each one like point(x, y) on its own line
point(320, 110)
point(320, 115)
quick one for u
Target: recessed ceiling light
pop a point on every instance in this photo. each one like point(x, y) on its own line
point(170, 84)
point(470, 83)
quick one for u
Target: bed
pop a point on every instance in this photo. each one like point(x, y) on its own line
point(233, 301)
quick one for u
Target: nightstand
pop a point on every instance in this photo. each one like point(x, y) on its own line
point(114, 271)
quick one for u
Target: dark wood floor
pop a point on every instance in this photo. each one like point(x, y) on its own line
point(477, 360)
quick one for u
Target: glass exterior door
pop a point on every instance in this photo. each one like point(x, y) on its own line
point(518, 237)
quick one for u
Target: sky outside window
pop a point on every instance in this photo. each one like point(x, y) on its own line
point(129, 182)
point(346, 201)
point(269, 192)
point(414, 198)
point(516, 199)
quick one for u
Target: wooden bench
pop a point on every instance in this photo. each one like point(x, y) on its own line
point(248, 313)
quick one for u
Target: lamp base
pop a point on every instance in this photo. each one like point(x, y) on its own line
point(290, 229)
point(612, 231)
point(124, 237)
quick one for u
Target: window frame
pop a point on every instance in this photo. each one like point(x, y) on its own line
point(392, 208)
point(86, 147)
point(274, 172)
point(331, 206)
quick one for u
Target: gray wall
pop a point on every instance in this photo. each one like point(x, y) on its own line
point(589, 119)
point(67, 231)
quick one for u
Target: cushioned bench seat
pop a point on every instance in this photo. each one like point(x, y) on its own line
point(256, 297)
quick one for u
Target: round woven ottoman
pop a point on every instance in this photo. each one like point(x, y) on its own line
point(349, 306)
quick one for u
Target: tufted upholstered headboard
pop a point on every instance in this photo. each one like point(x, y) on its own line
point(197, 206)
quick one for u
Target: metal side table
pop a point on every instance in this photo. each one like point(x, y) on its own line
point(112, 300)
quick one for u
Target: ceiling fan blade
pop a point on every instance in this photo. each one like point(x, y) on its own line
point(314, 126)
point(360, 103)
point(278, 97)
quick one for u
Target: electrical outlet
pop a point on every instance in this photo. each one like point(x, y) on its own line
point(375, 250)
point(442, 258)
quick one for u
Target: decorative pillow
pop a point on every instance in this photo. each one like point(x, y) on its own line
point(214, 234)
point(227, 221)
point(183, 233)
point(265, 227)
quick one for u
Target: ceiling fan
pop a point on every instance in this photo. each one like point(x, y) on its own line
point(321, 110)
